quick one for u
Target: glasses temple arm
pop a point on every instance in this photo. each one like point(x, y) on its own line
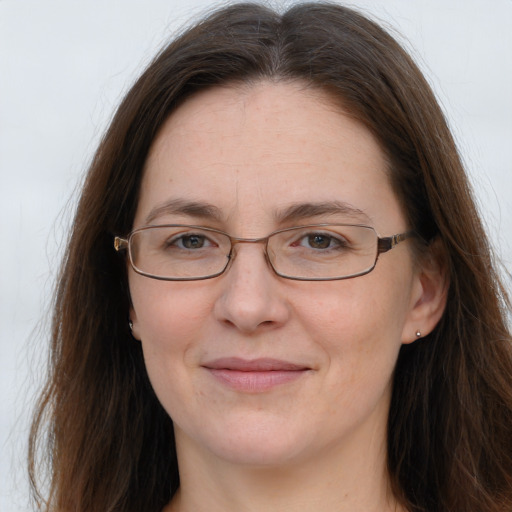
point(387, 243)
point(120, 244)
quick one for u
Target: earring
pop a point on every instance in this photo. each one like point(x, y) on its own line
point(130, 325)
point(418, 334)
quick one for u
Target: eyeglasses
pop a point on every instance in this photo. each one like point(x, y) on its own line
point(317, 252)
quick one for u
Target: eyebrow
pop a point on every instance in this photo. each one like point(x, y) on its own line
point(293, 213)
point(184, 207)
point(301, 211)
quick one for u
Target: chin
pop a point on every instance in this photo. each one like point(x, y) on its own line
point(259, 453)
point(257, 444)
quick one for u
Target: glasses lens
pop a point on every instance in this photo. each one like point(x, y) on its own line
point(323, 252)
point(179, 252)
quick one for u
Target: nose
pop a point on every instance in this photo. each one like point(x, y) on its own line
point(252, 296)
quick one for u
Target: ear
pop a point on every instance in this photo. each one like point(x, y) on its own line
point(134, 324)
point(428, 295)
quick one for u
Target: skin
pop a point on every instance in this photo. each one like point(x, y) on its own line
point(318, 441)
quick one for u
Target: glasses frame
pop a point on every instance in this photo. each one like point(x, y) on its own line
point(384, 244)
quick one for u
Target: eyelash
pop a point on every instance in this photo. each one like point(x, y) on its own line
point(175, 241)
point(335, 243)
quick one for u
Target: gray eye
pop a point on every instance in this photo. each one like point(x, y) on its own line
point(192, 241)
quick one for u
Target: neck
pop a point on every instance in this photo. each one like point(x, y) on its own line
point(329, 481)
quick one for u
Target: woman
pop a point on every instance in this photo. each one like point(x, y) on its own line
point(278, 294)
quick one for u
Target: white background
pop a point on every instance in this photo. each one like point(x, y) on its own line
point(64, 65)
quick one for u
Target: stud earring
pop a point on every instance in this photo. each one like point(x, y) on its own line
point(130, 325)
point(418, 334)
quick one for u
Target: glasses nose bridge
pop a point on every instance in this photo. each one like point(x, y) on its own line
point(235, 240)
point(238, 240)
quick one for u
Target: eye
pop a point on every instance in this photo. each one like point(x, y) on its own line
point(190, 242)
point(319, 241)
point(193, 241)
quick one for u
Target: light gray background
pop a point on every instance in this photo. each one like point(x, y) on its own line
point(64, 65)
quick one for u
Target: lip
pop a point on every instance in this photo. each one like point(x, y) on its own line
point(255, 375)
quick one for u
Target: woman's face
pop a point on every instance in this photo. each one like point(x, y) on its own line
point(254, 368)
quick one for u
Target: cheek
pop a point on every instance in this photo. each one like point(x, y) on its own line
point(166, 309)
point(358, 325)
point(348, 312)
point(168, 318)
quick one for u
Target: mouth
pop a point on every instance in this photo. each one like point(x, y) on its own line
point(254, 376)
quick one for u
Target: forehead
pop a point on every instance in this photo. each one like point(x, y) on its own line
point(254, 150)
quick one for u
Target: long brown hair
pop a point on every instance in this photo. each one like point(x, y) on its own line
point(107, 442)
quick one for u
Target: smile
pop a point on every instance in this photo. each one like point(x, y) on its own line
point(254, 376)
